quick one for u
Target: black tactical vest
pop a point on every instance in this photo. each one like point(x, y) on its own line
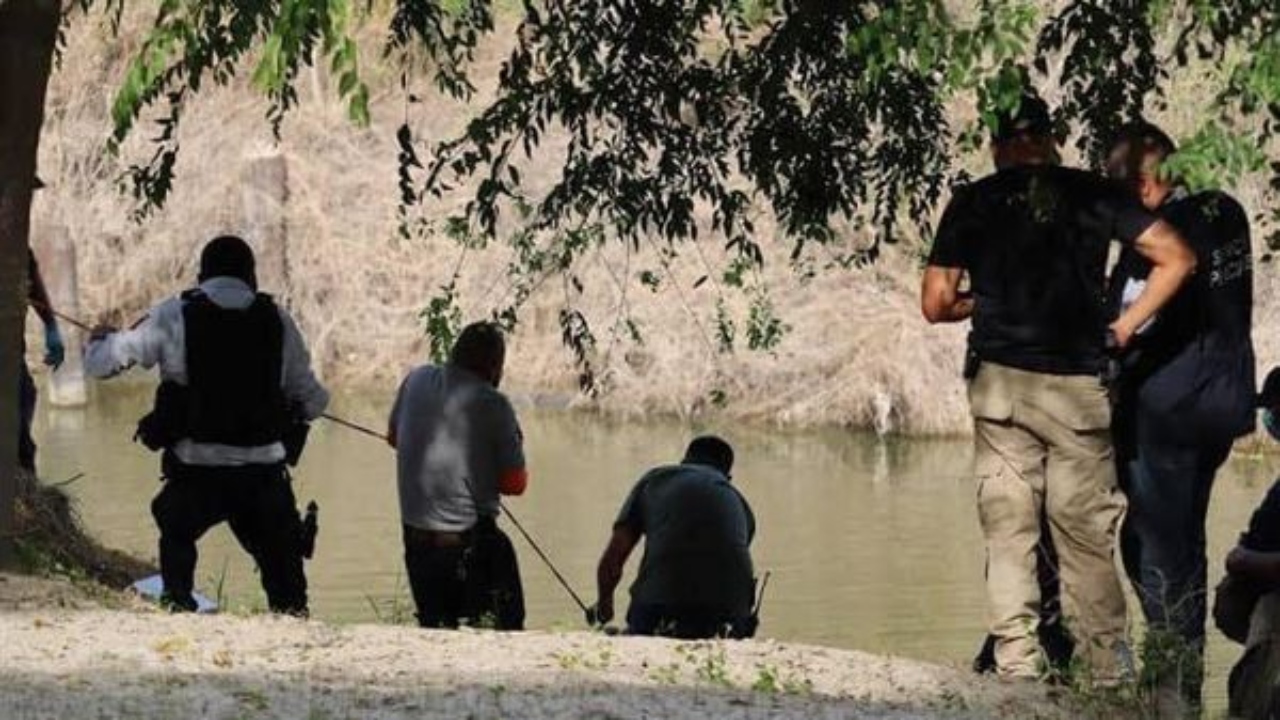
point(233, 371)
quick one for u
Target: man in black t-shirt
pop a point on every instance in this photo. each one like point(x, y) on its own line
point(1033, 239)
point(1186, 394)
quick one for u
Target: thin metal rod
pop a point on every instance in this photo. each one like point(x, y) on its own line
point(63, 316)
point(563, 583)
point(764, 583)
point(354, 426)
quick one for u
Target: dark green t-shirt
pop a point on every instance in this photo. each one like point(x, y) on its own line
point(697, 530)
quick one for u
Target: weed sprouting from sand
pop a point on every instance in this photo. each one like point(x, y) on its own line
point(709, 662)
point(665, 674)
point(771, 680)
point(579, 658)
point(394, 609)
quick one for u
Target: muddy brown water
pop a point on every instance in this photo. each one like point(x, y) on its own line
point(872, 544)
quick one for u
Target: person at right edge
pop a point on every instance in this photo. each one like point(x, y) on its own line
point(1186, 393)
point(1246, 605)
point(458, 449)
point(1033, 239)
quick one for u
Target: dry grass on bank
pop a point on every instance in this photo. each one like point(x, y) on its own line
point(857, 353)
point(52, 541)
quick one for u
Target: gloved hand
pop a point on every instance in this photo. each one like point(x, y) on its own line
point(54, 350)
point(599, 614)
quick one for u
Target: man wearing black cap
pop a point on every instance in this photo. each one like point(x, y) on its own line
point(1033, 240)
point(1186, 394)
point(235, 374)
point(1247, 603)
point(695, 579)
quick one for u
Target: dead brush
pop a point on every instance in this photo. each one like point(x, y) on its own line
point(52, 540)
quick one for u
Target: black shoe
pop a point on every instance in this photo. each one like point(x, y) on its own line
point(178, 604)
point(985, 662)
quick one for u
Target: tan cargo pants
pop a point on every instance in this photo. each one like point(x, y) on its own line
point(1043, 445)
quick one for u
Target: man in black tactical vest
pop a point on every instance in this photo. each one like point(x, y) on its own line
point(236, 380)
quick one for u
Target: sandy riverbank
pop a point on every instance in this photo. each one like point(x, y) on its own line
point(64, 656)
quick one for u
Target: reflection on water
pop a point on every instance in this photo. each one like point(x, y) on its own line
point(872, 544)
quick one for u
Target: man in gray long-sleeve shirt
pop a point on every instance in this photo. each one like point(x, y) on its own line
point(236, 380)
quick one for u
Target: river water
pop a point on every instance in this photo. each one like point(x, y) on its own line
point(872, 544)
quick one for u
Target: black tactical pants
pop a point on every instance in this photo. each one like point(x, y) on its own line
point(687, 623)
point(469, 578)
point(257, 502)
point(26, 413)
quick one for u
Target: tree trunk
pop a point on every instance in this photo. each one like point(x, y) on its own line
point(28, 31)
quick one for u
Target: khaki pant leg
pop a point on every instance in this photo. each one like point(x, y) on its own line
point(1254, 680)
point(1084, 507)
point(1009, 465)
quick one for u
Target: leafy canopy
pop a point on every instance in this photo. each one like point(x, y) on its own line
point(686, 118)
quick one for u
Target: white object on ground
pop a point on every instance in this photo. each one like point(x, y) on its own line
point(152, 587)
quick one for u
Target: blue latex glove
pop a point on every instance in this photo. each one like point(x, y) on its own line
point(54, 350)
point(1271, 422)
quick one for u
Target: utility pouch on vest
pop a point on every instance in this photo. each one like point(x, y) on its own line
point(294, 440)
point(166, 424)
point(310, 528)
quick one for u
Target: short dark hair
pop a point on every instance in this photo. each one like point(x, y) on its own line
point(479, 347)
point(228, 256)
point(1030, 118)
point(710, 450)
point(1136, 140)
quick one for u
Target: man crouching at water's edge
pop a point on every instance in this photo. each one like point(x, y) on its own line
point(695, 579)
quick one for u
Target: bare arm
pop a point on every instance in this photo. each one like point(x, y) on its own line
point(1172, 262)
point(609, 571)
point(940, 298)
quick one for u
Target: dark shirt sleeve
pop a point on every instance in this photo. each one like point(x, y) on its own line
point(631, 516)
point(508, 439)
point(1263, 534)
point(33, 272)
point(1128, 218)
point(751, 519)
point(957, 230)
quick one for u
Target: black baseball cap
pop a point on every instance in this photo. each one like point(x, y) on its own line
point(228, 256)
point(1270, 395)
point(1031, 117)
